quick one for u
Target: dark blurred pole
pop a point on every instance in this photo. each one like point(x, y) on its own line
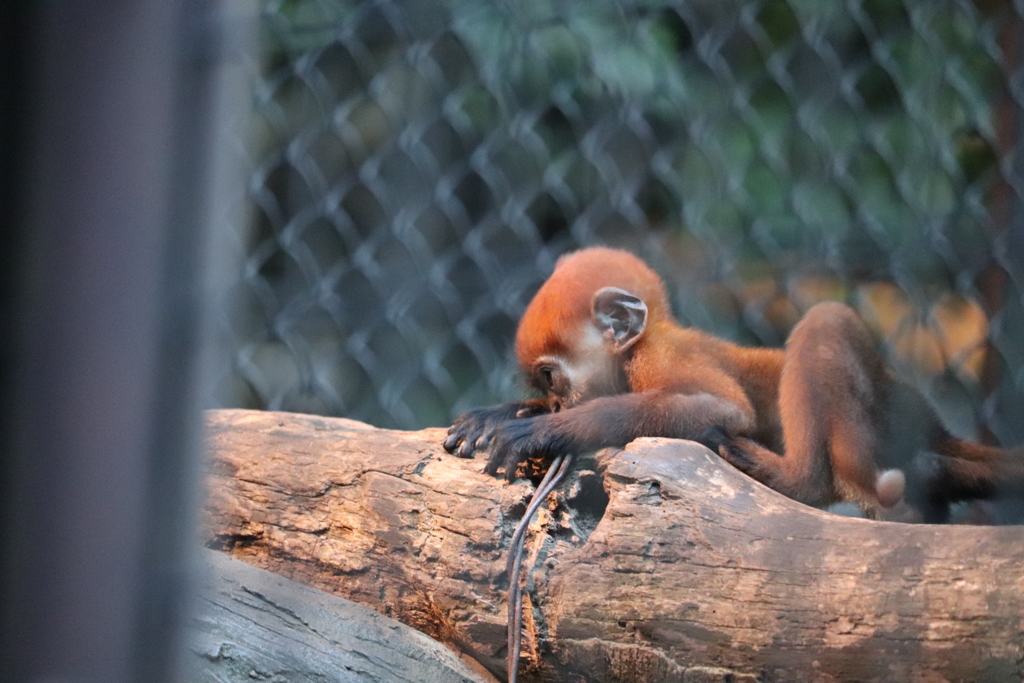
point(109, 150)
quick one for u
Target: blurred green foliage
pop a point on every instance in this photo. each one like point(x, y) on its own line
point(420, 163)
point(787, 123)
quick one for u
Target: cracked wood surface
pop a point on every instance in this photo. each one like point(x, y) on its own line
point(251, 625)
point(656, 563)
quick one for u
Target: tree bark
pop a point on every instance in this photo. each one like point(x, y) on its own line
point(656, 563)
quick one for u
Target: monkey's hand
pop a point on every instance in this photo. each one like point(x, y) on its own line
point(472, 430)
point(514, 442)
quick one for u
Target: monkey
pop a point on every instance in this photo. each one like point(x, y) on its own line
point(822, 420)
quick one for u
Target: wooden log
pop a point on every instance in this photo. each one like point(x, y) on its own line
point(656, 563)
point(250, 625)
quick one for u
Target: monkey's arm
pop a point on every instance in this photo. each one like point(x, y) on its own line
point(473, 429)
point(614, 421)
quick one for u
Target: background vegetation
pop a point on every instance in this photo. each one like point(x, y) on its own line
point(418, 167)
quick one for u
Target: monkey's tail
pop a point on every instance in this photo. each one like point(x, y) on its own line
point(964, 470)
point(946, 444)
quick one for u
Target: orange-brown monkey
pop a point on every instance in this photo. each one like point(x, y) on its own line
point(818, 421)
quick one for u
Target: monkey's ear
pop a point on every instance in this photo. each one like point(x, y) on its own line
point(621, 316)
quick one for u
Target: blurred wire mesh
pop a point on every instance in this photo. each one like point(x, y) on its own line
point(418, 166)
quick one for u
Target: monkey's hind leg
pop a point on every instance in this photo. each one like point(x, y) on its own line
point(831, 399)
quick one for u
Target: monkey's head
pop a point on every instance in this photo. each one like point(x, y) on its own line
point(585, 322)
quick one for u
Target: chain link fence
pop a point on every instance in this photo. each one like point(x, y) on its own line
point(418, 167)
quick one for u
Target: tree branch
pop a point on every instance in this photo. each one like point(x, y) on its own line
point(657, 563)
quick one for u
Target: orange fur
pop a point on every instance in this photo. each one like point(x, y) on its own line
point(552, 320)
point(819, 420)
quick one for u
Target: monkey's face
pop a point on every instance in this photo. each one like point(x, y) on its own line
point(592, 368)
point(574, 340)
